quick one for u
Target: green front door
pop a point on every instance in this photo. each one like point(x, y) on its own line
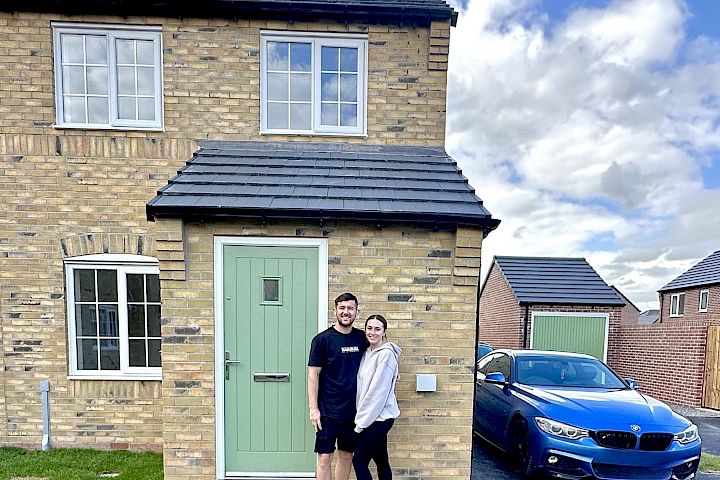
point(576, 333)
point(270, 299)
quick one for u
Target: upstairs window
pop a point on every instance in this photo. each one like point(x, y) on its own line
point(703, 303)
point(313, 84)
point(108, 77)
point(113, 317)
point(677, 304)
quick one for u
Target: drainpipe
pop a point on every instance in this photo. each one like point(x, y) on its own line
point(45, 397)
point(525, 328)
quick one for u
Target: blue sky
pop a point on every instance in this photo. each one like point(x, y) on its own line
point(591, 128)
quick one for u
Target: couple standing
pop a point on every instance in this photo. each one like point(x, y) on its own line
point(351, 392)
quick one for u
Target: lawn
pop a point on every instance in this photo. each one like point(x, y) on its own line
point(79, 464)
point(709, 463)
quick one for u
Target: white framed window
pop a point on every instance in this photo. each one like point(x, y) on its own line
point(677, 304)
point(313, 83)
point(703, 301)
point(108, 77)
point(113, 309)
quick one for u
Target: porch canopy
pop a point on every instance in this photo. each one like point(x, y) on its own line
point(338, 181)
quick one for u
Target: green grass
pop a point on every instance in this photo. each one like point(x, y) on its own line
point(79, 464)
point(709, 463)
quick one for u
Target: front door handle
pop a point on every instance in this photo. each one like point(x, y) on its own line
point(229, 362)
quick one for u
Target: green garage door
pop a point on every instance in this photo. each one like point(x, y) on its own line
point(578, 333)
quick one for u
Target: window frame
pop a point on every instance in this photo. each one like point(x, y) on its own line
point(675, 302)
point(112, 33)
point(705, 292)
point(317, 41)
point(123, 264)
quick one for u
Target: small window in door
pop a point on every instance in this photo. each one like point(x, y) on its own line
point(271, 291)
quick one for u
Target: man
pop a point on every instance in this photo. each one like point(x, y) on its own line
point(335, 356)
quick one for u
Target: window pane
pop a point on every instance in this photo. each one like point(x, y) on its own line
point(84, 285)
point(277, 115)
point(146, 80)
point(125, 51)
point(98, 109)
point(126, 80)
point(85, 320)
point(329, 58)
point(145, 52)
point(277, 86)
point(73, 80)
point(87, 354)
point(154, 353)
point(126, 108)
point(300, 116)
point(72, 48)
point(153, 320)
point(300, 87)
point(135, 287)
point(107, 285)
point(300, 57)
point(349, 59)
point(153, 288)
point(109, 355)
point(74, 109)
point(271, 289)
point(329, 114)
point(681, 304)
point(136, 320)
point(109, 322)
point(96, 47)
point(137, 353)
point(348, 115)
point(703, 300)
point(146, 109)
point(329, 89)
point(277, 56)
point(348, 87)
point(97, 80)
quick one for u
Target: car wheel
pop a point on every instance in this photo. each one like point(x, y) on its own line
point(520, 452)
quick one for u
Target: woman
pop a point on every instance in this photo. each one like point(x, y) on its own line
point(376, 404)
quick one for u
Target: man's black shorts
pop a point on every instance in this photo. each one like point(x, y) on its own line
point(333, 431)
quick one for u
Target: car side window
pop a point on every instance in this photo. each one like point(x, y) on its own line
point(500, 363)
point(484, 363)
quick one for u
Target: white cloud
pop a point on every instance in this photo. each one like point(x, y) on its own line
point(586, 136)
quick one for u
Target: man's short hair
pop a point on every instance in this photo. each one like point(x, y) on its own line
point(346, 297)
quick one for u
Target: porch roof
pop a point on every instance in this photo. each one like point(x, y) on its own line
point(556, 281)
point(705, 273)
point(375, 183)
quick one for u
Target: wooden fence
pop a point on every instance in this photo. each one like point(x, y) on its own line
point(711, 397)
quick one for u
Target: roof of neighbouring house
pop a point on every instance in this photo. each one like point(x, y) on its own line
point(648, 316)
point(707, 272)
point(555, 281)
point(358, 11)
point(322, 181)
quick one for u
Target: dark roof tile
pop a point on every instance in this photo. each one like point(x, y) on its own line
point(706, 272)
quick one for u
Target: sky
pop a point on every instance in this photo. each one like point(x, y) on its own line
point(591, 128)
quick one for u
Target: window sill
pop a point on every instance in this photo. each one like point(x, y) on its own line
point(151, 378)
point(677, 316)
point(315, 134)
point(100, 127)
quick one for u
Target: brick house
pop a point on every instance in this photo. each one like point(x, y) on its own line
point(550, 304)
point(694, 295)
point(162, 307)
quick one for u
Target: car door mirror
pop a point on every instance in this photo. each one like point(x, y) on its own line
point(632, 383)
point(496, 378)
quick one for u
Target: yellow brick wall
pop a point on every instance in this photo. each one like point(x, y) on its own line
point(410, 275)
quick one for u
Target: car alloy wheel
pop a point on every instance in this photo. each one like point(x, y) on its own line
point(520, 452)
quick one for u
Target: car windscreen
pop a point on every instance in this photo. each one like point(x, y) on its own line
point(550, 371)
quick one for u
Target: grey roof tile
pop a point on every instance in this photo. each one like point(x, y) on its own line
point(549, 280)
point(706, 272)
point(397, 183)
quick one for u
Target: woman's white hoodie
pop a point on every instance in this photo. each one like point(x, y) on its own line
point(375, 399)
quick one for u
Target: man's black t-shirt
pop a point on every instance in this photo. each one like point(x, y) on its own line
point(339, 355)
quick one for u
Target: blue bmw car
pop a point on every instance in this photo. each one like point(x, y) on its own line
point(569, 416)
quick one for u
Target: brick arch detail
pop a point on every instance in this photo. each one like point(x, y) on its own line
point(99, 243)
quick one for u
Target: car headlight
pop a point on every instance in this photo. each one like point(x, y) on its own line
point(561, 429)
point(689, 435)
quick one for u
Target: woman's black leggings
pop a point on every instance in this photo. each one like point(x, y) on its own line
point(372, 445)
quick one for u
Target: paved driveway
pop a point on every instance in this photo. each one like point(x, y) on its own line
point(709, 428)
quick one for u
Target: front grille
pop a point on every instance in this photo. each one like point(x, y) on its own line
point(655, 442)
point(624, 472)
point(613, 439)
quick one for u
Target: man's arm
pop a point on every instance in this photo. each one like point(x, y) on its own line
point(313, 384)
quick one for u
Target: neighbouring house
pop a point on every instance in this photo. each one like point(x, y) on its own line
point(648, 317)
point(549, 304)
point(676, 358)
point(188, 185)
point(630, 312)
